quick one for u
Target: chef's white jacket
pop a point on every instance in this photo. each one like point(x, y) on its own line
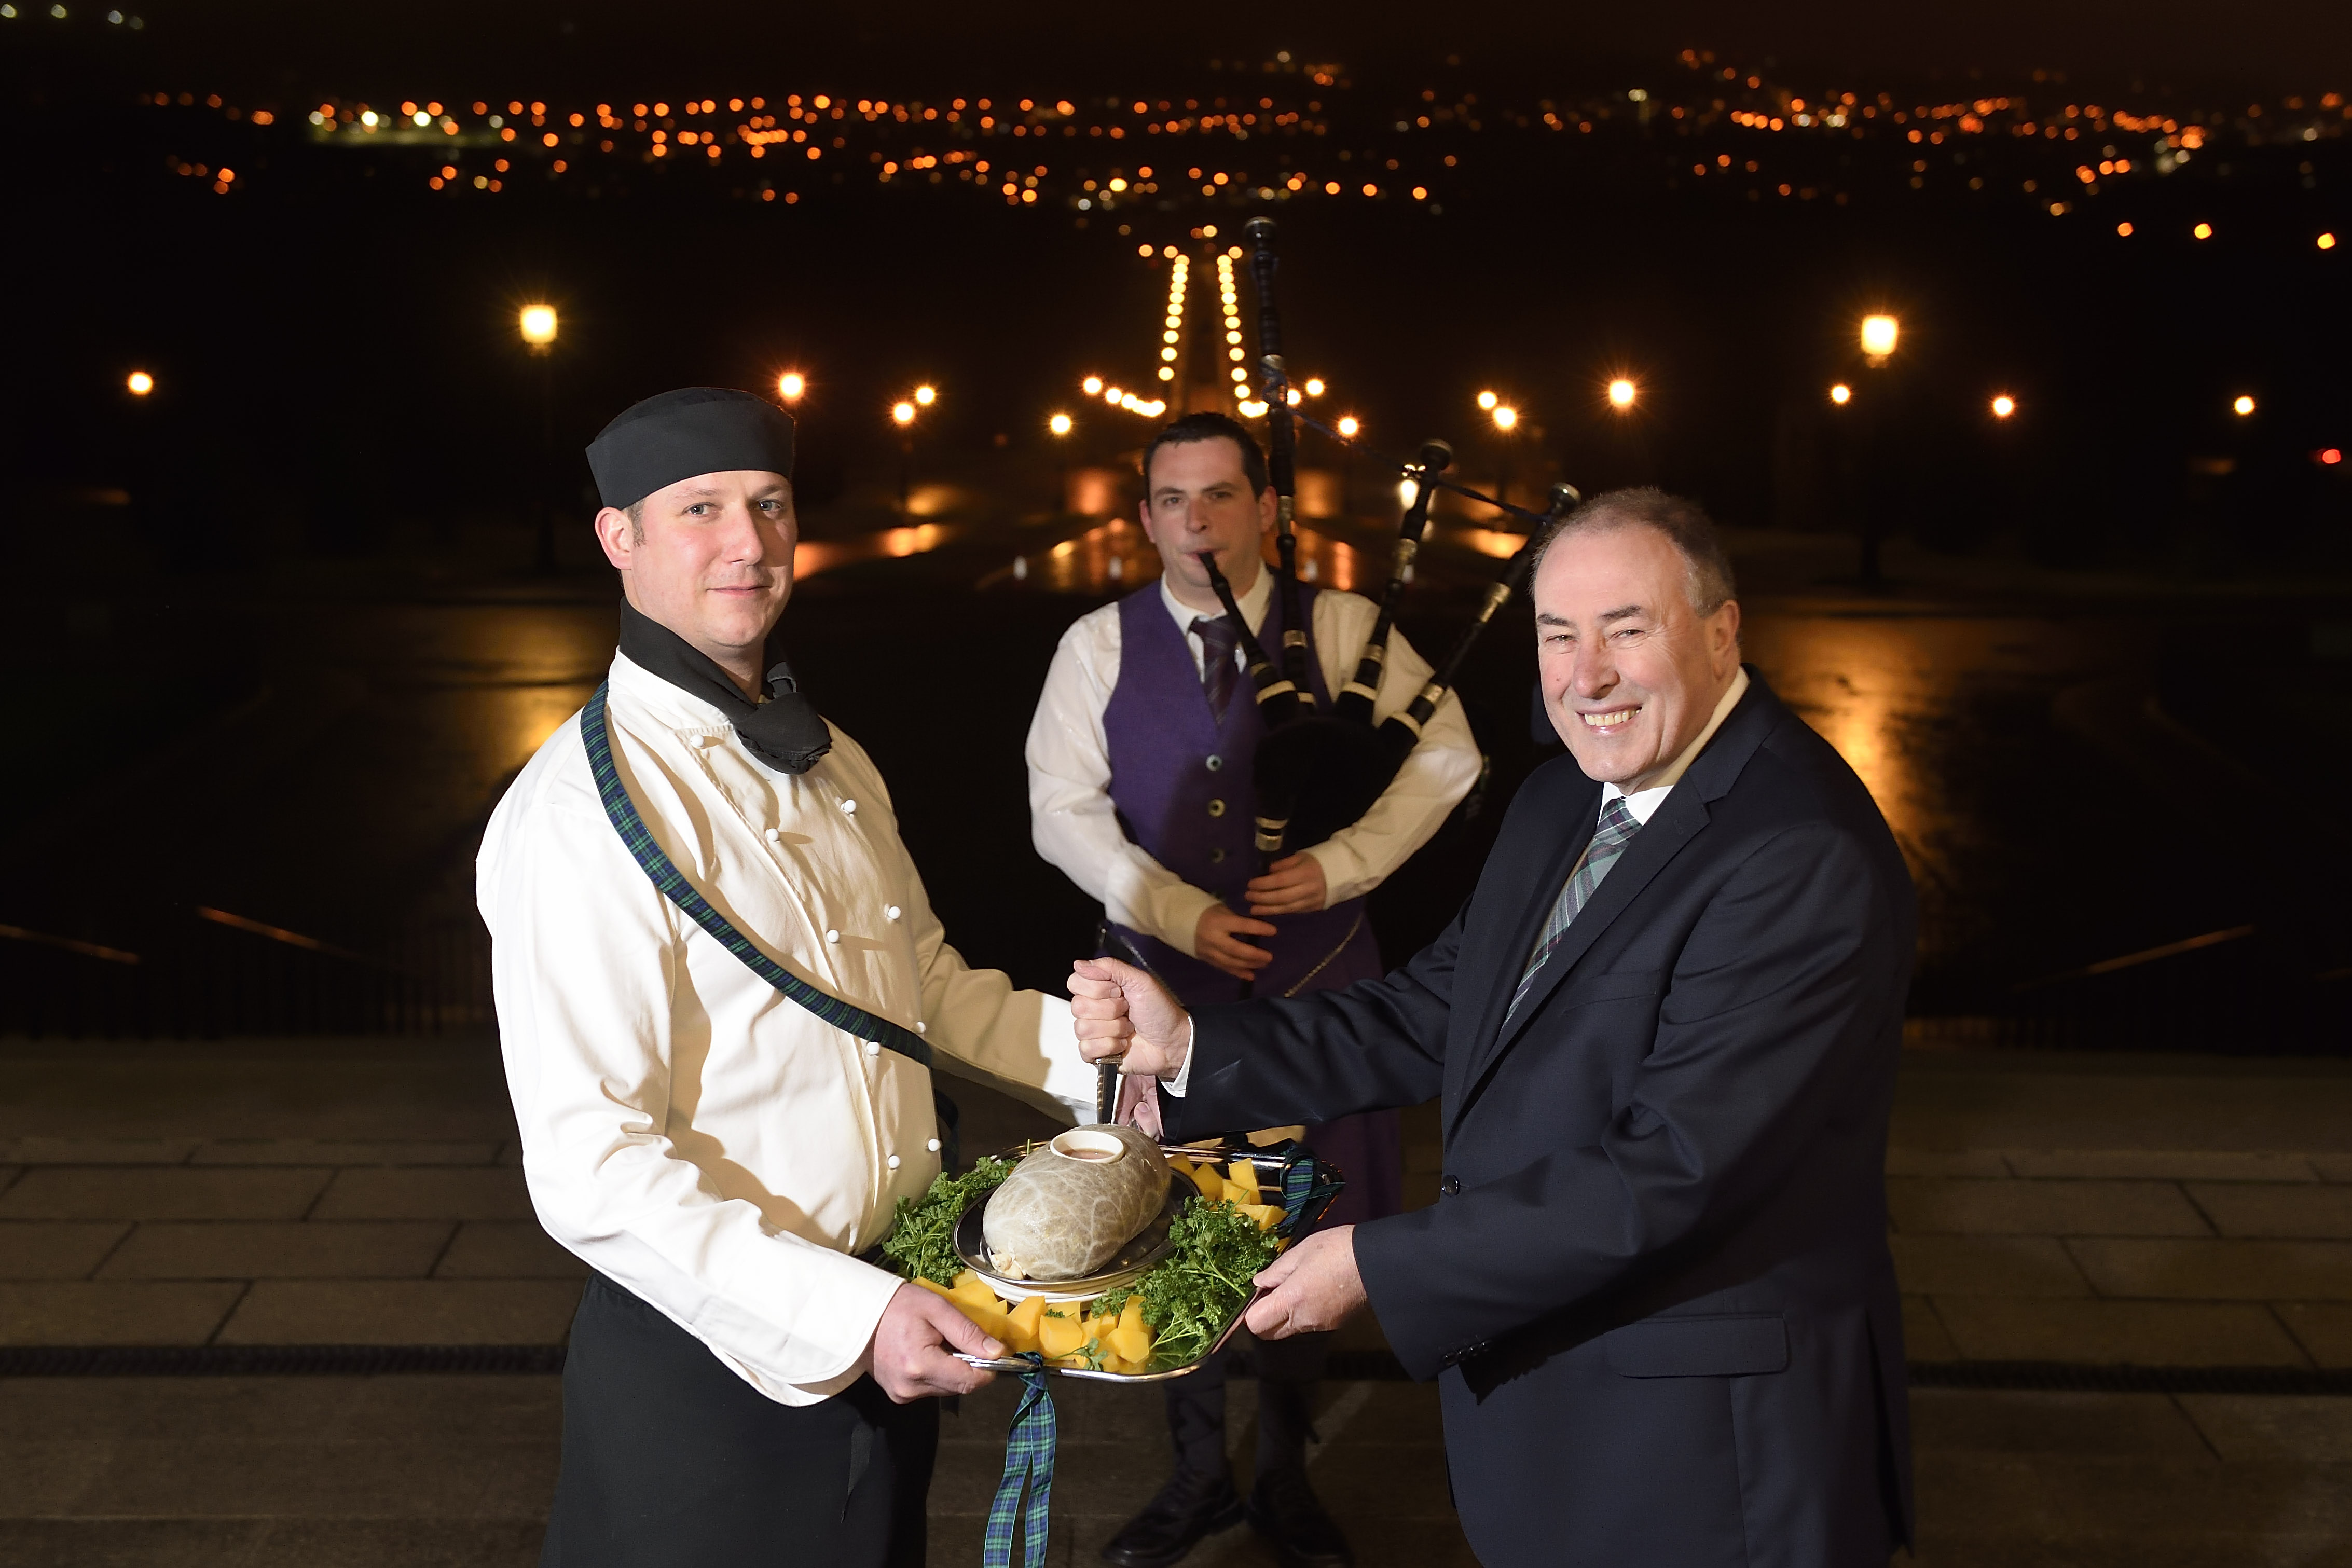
point(687, 1130)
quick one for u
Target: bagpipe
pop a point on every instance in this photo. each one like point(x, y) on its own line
point(1318, 771)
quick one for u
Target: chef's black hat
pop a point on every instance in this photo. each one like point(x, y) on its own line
point(678, 435)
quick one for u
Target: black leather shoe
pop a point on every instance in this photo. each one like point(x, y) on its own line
point(1190, 1506)
point(1284, 1509)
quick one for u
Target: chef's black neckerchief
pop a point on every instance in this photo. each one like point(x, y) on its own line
point(786, 731)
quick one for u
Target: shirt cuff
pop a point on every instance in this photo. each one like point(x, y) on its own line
point(1176, 1087)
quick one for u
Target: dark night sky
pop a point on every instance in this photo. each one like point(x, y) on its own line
point(2279, 45)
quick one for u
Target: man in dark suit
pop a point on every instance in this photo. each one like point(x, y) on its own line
point(1656, 1288)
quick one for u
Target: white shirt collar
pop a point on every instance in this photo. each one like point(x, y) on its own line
point(1253, 604)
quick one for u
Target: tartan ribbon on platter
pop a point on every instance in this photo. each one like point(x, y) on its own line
point(1028, 1460)
point(623, 812)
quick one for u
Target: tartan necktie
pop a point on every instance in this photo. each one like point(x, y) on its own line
point(1618, 826)
point(1218, 676)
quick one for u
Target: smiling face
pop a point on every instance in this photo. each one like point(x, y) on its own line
point(1200, 499)
point(1631, 670)
point(712, 559)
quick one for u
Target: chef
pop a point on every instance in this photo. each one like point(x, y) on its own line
point(719, 985)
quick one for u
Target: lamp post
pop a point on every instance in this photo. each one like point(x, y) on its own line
point(902, 415)
point(1348, 427)
point(1060, 424)
point(538, 326)
point(1879, 335)
point(1507, 420)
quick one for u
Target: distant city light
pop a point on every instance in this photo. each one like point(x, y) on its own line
point(1487, 400)
point(1406, 492)
point(2243, 406)
point(538, 322)
point(927, 395)
point(791, 385)
point(139, 383)
point(1622, 394)
point(1506, 417)
point(2003, 406)
point(1059, 424)
point(902, 413)
point(2124, 229)
point(1348, 426)
point(2203, 231)
point(2326, 242)
point(1314, 386)
point(2332, 456)
point(1841, 394)
point(1878, 335)
point(1091, 386)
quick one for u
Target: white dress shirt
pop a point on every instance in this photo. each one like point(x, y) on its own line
point(1076, 827)
point(688, 1130)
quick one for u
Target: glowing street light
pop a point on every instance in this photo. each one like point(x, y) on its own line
point(1622, 393)
point(1348, 426)
point(1091, 386)
point(1841, 394)
point(791, 385)
point(538, 324)
point(902, 413)
point(2202, 231)
point(139, 383)
point(1314, 386)
point(1506, 417)
point(1059, 424)
point(1486, 400)
point(2244, 406)
point(2326, 242)
point(1878, 336)
point(927, 395)
point(2003, 406)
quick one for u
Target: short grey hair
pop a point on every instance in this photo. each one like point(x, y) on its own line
point(1707, 579)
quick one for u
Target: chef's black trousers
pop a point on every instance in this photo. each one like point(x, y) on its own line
point(670, 1460)
point(1288, 1371)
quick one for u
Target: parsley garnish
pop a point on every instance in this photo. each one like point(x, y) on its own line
point(922, 1235)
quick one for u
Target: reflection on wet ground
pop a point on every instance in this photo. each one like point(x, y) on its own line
point(2051, 823)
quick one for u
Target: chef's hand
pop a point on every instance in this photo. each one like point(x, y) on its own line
point(1217, 942)
point(1313, 1286)
point(1293, 885)
point(1120, 1011)
point(911, 1356)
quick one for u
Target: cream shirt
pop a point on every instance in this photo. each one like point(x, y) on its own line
point(688, 1130)
point(1076, 827)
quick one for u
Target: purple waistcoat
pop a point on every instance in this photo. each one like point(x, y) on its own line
point(1181, 781)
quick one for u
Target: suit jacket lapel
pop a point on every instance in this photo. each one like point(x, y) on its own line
point(1506, 948)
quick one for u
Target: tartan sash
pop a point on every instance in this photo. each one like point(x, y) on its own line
point(1028, 1459)
point(842, 1015)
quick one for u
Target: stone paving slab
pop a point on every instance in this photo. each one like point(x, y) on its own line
point(506, 1249)
point(1986, 1266)
point(2276, 1209)
point(403, 1312)
point(2163, 1164)
point(489, 1193)
point(113, 1311)
point(1969, 1206)
point(2116, 1334)
point(2201, 1268)
point(2021, 1421)
point(56, 1249)
point(343, 1153)
point(71, 1192)
point(1901, 1162)
point(2333, 1167)
point(47, 1150)
point(1924, 1335)
point(2324, 1331)
point(314, 1249)
point(2275, 1428)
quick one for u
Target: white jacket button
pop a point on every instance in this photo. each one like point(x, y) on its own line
point(893, 912)
point(849, 808)
point(933, 1145)
point(922, 1028)
point(892, 1161)
point(873, 1047)
point(833, 936)
point(774, 835)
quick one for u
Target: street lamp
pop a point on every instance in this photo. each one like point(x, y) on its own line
point(1486, 400)
point(1348, 426)
point(2003, 406)
point(139, 383)
point(2244, 406)
point(1314, 386)
point(927, 395)
point(1841, 394)
point(902, 415)
point(1507, 418)
point(792, 385)
point(1622, 394)
point(1092, 386)
point(1059, 424)
point(1879, 337)
point(537, 324)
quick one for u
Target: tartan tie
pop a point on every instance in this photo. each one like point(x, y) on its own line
point(1218, 641)
point(1618, 826)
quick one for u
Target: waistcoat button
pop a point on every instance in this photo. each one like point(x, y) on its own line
point(1215, 763)
point(1216, 808)
point(1453, 1186)
point(1216, 856)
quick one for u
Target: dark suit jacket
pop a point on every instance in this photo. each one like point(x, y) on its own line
point(1657, 1285)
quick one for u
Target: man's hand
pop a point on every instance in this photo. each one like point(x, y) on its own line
point(1313, 1286)
point(1217, 939)
point(1293, 885)
point(910, 1353)
point(1120, 1011)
